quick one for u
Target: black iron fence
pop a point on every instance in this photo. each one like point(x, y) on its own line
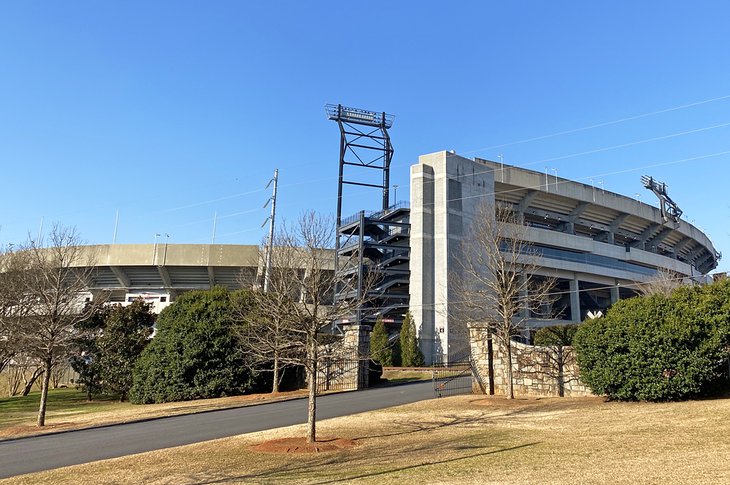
point(452, 380)
point(341, 372)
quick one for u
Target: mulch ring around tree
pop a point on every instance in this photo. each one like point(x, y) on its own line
point(300, 445)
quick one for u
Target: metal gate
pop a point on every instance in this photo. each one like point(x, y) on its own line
point(452, 380)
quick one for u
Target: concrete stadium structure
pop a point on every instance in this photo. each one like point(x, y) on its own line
point(598, 244)
point(158, 273)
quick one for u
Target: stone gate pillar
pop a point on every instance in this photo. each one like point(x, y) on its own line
point(357, 345)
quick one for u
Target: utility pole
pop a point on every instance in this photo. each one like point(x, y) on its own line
point(271, 219)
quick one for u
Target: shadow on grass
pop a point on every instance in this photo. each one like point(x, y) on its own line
point(409, 427)
point(284, 471)
point(450, 420)
point(19, 407)
point(429, 463)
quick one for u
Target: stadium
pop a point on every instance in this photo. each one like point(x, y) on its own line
point(597, 244)
point(158, 273)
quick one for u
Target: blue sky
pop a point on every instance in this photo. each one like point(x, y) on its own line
point(172, 111)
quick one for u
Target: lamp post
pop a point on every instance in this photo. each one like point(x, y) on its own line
point(154, 250)
point(164, 256)
point(555, 171)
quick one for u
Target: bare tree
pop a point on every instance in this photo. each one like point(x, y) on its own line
point(266, 337)
point(7, 351)
point(299, 302)
point(559, 355)
point(498, 290)
point(10, 303)
point(52, 294)
point(663, 283)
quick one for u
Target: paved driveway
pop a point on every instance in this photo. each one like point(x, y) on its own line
point(39, 453)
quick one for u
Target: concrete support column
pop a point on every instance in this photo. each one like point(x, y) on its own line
point(574, 300)
point(611, 237)
point(525, 310)
point(422, 264)
point(615, 293)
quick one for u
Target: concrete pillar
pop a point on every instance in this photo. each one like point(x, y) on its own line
point(615, 293)
point(422, 278)
point(525, 310)
point(611, 237)
point(574, 300)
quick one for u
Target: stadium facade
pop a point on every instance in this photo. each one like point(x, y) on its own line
point(597, 244)
point(158, 273)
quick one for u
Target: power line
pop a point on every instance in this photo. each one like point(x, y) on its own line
point(599, 125)
point(605, 174)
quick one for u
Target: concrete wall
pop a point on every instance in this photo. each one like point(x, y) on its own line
point(445, 192)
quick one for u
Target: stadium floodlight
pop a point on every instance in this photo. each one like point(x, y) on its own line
point(337, 112)
point(670, 210)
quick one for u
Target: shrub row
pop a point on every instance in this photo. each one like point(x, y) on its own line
point(659, 348)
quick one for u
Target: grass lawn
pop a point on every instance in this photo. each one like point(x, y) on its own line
point(69, 409)
point(397, 376)
point(463, 439)
point(63, 404)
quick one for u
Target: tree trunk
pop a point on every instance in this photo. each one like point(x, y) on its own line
point(29, 383)
point(47, 366)
point(5, 361)
point(312, 408)
point(275, 386)
point(561, 375)
point(510, 386)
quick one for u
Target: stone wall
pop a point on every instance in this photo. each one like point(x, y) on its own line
point(537, 371)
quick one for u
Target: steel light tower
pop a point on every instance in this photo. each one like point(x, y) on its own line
point(365, 156)
point(364, 144)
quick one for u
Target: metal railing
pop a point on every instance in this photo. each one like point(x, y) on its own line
point(453, 380)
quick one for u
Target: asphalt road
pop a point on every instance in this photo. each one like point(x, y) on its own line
point(27, 455)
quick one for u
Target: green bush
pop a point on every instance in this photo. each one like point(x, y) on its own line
point(109, 344)
point(411, 355)
point(381, 350)
point(195, 353)
point(658, 348)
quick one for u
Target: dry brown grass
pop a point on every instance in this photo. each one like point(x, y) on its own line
point(465, 439)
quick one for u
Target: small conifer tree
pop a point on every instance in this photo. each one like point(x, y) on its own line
point(411, 355)
point(380, 349)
